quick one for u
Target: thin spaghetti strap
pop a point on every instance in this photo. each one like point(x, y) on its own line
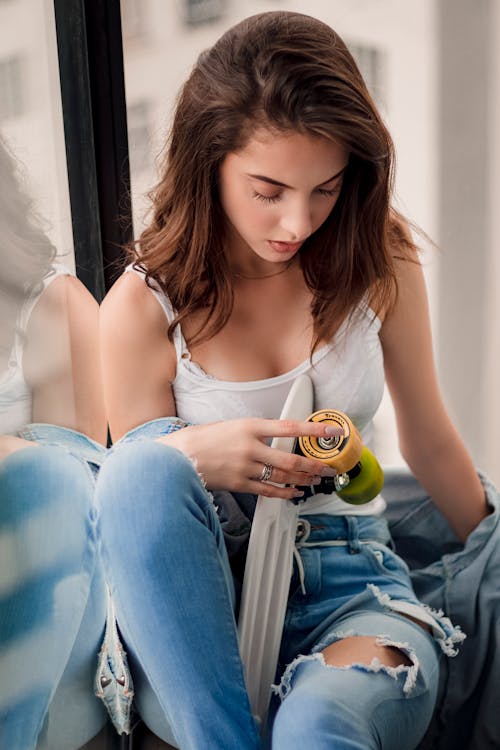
point(181, 349)
point(365, 308)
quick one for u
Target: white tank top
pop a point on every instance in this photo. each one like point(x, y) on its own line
point(347, 374)
point(15, 393)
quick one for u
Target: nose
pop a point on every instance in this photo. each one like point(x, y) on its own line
point(296, 221)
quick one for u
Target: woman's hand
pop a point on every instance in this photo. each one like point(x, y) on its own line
point(231, 455)
point(9, 444)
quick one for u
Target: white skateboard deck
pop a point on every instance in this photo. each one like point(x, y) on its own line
point(268, 571)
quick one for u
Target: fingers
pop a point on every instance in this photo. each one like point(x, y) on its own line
point(293, 466)
point(271, 490)
point(281, 476)
point(294, 428)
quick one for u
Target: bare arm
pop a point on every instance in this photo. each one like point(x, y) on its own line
point(61, 359)
point(138, 361)
point(428, 440)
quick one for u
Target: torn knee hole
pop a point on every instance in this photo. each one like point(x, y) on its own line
point(370, 654)
point(363, 650)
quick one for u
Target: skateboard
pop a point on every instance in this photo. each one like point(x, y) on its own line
point(268, 571)
point(270, 552)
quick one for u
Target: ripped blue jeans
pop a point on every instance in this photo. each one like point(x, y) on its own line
point(171, 584)
point(352, 584)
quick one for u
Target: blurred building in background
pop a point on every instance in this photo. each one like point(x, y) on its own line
point(433, 67)
point(31, 120)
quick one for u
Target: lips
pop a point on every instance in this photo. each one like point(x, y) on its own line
point(284, 247)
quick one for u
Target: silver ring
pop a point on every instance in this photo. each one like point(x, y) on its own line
point(266, 473)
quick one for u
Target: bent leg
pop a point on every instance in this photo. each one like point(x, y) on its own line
point(362, 692)
point(172, 587)
point(48, 563)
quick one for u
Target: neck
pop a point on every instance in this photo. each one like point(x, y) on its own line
point(283, 267)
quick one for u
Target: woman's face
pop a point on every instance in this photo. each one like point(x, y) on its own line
point(276, 192)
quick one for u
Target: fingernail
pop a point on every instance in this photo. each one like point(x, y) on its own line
point(328, 472)
point(334, 430)
point(298, 493)
point(316, 480)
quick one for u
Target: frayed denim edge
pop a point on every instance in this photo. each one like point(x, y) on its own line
point(445, 633)
point(374, 666)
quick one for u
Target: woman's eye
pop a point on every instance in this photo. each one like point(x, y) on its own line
point(329, 193)
point(266, 198)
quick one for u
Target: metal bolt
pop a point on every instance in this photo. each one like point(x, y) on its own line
point(329, 442)
point(341, 481)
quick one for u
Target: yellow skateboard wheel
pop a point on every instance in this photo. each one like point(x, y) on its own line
point(341, 453)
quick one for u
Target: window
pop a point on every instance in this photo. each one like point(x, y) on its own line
point(370, 61)
point(201, 11)
point(134, 14)
point(11, 88)
point(139, 136)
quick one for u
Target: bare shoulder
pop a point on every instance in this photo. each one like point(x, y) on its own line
point(138, 360)
point(125, 295)
point(132, 321)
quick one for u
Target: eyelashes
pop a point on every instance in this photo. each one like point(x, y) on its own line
point(266, 198)
point(329, 193)
point(275, 198)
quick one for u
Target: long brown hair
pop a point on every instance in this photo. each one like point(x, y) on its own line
point(286, 72)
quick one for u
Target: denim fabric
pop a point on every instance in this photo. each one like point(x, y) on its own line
point(58, 589)
point(349, 568)
point(171, 584)
point(52, 595)
point(359, 706)
point(353, 584)
point(172, 589)
point(76, 443)
point(462, 580)
point(152, 429)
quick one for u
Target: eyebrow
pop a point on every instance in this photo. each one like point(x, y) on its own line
point(263, 178)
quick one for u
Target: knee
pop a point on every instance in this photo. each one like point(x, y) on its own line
point(44, 480)
point(316, 718)
point(146, 487)
point(145, 466)
point(350, 707)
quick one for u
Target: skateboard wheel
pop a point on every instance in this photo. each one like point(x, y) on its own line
point(341, 453)
point(367, 484)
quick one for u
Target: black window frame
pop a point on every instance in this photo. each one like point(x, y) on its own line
point(90, 53)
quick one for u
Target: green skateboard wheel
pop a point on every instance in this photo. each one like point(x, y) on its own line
point(367, 484)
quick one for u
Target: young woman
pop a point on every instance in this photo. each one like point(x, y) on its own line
point(272, 251)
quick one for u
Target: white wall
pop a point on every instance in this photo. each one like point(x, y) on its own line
point(491, 408)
